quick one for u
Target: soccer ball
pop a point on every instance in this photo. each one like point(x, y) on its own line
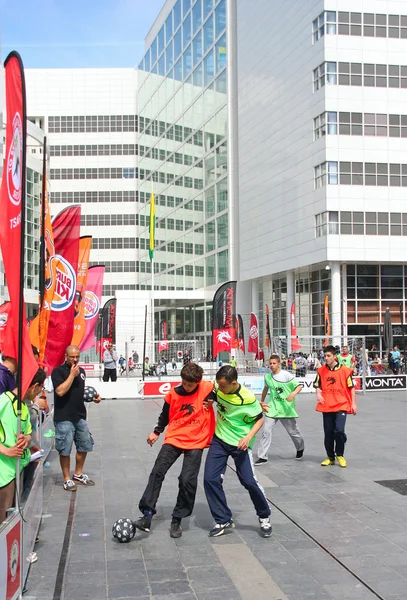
point(89, 393)
point(123, 530)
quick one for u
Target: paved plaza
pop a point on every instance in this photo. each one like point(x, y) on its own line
point(337, 534)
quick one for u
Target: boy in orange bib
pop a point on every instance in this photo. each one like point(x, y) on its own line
point(190, 423)
point(335, 399)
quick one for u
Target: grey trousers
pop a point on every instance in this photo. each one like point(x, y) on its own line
point(266, 433)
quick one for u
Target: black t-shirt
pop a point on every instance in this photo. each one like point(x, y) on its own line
point(71, 406)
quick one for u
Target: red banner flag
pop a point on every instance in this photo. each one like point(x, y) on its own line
point(4, 314)
point(163, 345)
point(12, 223)
point(93, 298)
point(224, 307)
point(66, 227)
point(295, 344)
point(107, 331)
point(267, 341)
point(85, 244)
point(253, 345)
point(327, 322)
point(240, 333)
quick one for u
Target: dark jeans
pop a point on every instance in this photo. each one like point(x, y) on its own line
point(110, 374)
point(215, 467)
point(335, 437)
point(188, 480)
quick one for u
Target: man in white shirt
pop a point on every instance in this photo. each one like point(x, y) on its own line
point(110, 364)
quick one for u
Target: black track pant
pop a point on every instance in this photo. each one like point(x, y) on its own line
point(188, 480)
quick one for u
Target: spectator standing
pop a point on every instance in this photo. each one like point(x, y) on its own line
point(13, 447)
point(70, 418)
point(335, 399)
point(110, 364)
point(344, 358)
point(301, 365)
point(135, 356)
point(283, 388)
point(396, 360)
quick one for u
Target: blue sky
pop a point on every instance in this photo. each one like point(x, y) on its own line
point(73, 33)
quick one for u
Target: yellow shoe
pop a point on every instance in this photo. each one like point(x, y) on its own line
point(328, 462)
point(341, 461)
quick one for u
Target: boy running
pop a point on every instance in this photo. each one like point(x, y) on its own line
point(335, 399)
point(283, 387)
point(239, 418)
point(190, 429)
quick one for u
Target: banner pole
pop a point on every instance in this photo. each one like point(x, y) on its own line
point(42, 235)
point(152, 314)
point(144, 342)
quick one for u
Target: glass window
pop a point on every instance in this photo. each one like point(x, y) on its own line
point(208, 68)
point(197, 16)
point(207, 7)
point(197, 48)
point(222, 226)
point(187, 61)
point(197, 78)
point(161, 65)
point(186, 29)
point(168, 57)
point(160, 38)
point(221, 53)
point(210, 269)
point(223, 266)
point(177, 44)
point(210, 204)
point(168, 28)
point(332, 173)
point(177, 14)
point(220, 18)
point(221, 83)
point(178, 70)
point(186, 5)
point(208, 33)
point(210, 236)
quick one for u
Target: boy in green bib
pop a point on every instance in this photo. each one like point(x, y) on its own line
point(283, 388)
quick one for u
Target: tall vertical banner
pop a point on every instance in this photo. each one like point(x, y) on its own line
point(85, 244)
point(66, 227)
point(39, 325)
point(107, 326)
point(4, 315)
point(295, 344)
point(12, 223)
point(151, 227)
point(224, 307)
point(240, 333)
point(327, 322)
point(267, 341)
point(92, 301)
point(253, 345)
point(163, 344)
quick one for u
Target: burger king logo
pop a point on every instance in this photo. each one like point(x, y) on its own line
point(92, 305)
point(65, 284)
point(254, 332)
point(14, 162)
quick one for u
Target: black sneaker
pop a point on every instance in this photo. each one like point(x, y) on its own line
point(143, 523)
point(260, 461)
point(265, 527)
point(175, 529)
point(220, 528)
point(299, 455)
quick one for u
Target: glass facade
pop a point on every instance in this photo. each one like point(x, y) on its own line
point(183, 148)
point(32, 250)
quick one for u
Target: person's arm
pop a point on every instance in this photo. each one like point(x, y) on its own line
point(318, 389)
point(15, 451)
point(354, 407)
point(114, 356)
point(263, 403)
point(65, 386)
point(293, 394)
point(245, 441)
point(162, 423)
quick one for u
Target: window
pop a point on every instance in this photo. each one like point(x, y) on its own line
point(327, 222)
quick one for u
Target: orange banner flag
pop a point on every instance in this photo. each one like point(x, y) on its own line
point(85, 244)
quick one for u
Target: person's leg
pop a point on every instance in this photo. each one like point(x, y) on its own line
point(265, 437)
point(114, 375)
point(6, 498)
point(294, 432)
point(165, 459)
point(106, 375)
point(329, 434)
point(188, 482)
point(340, 435)
point(215, 467)
point(84, 444)
point(245, 472)
point(64, 436)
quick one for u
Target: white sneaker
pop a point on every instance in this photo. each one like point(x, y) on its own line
point(265, 527)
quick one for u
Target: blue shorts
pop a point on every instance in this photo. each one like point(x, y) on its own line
point(67, 432)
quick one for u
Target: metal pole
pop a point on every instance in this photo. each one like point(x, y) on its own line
point(403, 353)
point(364, 364)
point(144, 343)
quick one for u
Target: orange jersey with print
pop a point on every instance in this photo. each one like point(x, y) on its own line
point(336, 387)
point(191, 426)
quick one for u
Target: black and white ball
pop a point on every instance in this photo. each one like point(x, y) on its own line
point(89, 393)
point(123, 530)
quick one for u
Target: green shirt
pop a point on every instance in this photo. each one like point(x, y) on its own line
point(8, 429)
point(236, 415)
point(346, 359)
point(281, 386)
